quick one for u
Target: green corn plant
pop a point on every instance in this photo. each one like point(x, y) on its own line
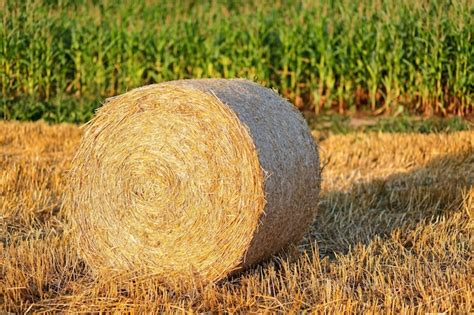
point(339, 55)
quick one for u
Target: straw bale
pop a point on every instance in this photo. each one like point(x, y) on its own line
point(192, 178)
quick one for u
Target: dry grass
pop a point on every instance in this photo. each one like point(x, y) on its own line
point(394, 234)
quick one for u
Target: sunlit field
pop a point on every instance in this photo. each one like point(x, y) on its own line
point(394, 233)
point(387, 88)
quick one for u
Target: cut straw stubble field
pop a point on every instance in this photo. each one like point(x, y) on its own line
point(394, 234)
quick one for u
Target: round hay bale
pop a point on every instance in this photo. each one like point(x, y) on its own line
point(193, 178)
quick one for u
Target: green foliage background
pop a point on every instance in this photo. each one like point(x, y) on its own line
point(60, 59)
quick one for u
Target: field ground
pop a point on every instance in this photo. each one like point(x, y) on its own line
point(394, 233)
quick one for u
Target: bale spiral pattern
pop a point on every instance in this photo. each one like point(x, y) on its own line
point(192, 178)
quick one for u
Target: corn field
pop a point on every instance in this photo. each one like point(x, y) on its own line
point(60, 59)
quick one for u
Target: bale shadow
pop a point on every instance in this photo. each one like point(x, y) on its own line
point(376, 207)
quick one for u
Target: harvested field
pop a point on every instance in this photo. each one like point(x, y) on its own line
point(394, 233)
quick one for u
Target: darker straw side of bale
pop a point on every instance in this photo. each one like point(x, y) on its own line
point(288, 156)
